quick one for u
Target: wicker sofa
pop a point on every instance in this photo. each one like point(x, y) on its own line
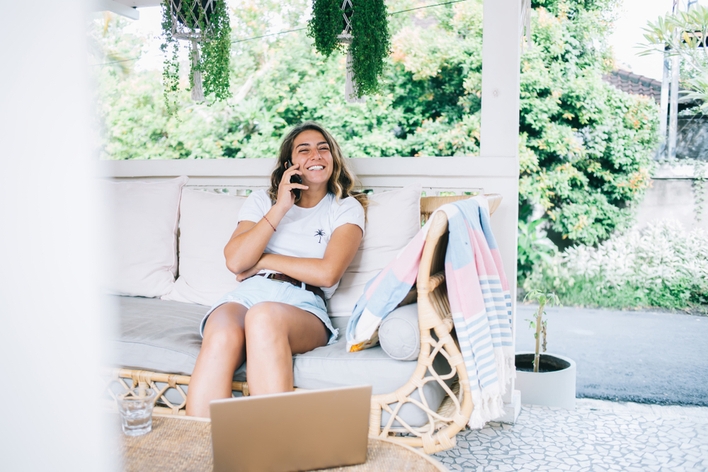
point(415, 372)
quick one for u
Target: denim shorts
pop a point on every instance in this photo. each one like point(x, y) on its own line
point(259, 289)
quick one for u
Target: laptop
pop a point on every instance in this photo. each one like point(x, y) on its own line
point(301, 430)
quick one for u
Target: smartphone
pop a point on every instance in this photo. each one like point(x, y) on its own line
point(295, 179)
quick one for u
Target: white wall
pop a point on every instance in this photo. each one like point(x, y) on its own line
point(49, 309)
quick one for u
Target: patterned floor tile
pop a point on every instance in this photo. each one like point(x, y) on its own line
point(596, 436)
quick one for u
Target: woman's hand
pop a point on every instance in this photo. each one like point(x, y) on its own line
point(286, 197)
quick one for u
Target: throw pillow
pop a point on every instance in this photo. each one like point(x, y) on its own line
point(143, 236)
point(399, 333)
point(206, 223)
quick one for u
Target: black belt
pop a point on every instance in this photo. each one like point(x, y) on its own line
point(286, 278)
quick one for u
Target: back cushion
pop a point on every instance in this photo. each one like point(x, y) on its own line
point(207, 221)
point(393, 218)
point(142, 222)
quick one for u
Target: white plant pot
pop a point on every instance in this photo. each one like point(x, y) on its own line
point(556, 388)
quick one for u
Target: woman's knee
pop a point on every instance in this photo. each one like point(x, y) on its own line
point(223, 330)
point(264, 320)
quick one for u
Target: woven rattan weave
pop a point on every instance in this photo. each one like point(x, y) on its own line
point(436, 337)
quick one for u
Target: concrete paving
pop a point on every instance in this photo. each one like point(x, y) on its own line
point(636, 356)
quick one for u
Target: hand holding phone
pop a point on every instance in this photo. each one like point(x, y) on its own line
point(295, 179)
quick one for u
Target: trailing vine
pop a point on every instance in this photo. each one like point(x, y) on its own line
point(207, 24)
point(370, 37)
point(216, 54)
point(326, 24)
point(170, 67)
point(371, 44)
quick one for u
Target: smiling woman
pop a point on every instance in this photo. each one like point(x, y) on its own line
point(288, 254)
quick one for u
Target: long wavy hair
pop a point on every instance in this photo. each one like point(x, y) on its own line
point(341, 182)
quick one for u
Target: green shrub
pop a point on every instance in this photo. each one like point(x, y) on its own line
point(662, 265)
point(586, 148)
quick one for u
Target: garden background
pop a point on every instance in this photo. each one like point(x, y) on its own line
point(586, 149)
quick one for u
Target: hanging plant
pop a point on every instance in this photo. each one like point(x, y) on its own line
point(371, 44)
point(363, 25)
point(205, 24)
point(326, 24)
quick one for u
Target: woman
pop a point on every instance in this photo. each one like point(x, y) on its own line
point(288, 252)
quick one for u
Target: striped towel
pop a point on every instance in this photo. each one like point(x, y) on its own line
point(479, 300)
point(383, 293)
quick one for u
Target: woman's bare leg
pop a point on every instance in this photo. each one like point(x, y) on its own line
point(274, 332)
point(223, 351)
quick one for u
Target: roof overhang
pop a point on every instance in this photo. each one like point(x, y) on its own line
point(127, 8)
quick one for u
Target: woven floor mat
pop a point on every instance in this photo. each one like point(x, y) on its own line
point(178, 444)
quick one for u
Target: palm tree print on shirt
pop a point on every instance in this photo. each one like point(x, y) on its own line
point(320, 233)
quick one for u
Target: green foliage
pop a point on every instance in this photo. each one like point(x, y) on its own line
point(279, 83)
point(574, 7)
point(215, 54)
point(214, 43)
point(586, 147)
point(326, 24)
point(371, 44)
point(170, 67)
point(370, 38)
point(269, 96)
point(684, 34)
point(661, 265)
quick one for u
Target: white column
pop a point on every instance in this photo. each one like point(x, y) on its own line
point(664, 104)
point(499, 138)
point(501, 50)
point(50, 339)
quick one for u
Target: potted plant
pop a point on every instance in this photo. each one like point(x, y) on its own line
point(544, 379)
point(363, 26)
point(205, 25)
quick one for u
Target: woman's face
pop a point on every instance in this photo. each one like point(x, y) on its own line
point(311, 151)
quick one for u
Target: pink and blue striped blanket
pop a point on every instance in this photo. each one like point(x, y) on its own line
point(479, 297)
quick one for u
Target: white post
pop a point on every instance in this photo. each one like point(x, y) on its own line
point(673, 106)
point(673, 93)
point(499, 139)
point(664, 105)
point(50, 339)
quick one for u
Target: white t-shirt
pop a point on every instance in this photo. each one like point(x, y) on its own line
point(305, 232)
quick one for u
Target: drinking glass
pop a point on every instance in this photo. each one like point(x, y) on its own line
point(135, 407)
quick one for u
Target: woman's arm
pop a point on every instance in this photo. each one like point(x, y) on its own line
point(248, 242)
point(250, 239)
point(324, 272)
